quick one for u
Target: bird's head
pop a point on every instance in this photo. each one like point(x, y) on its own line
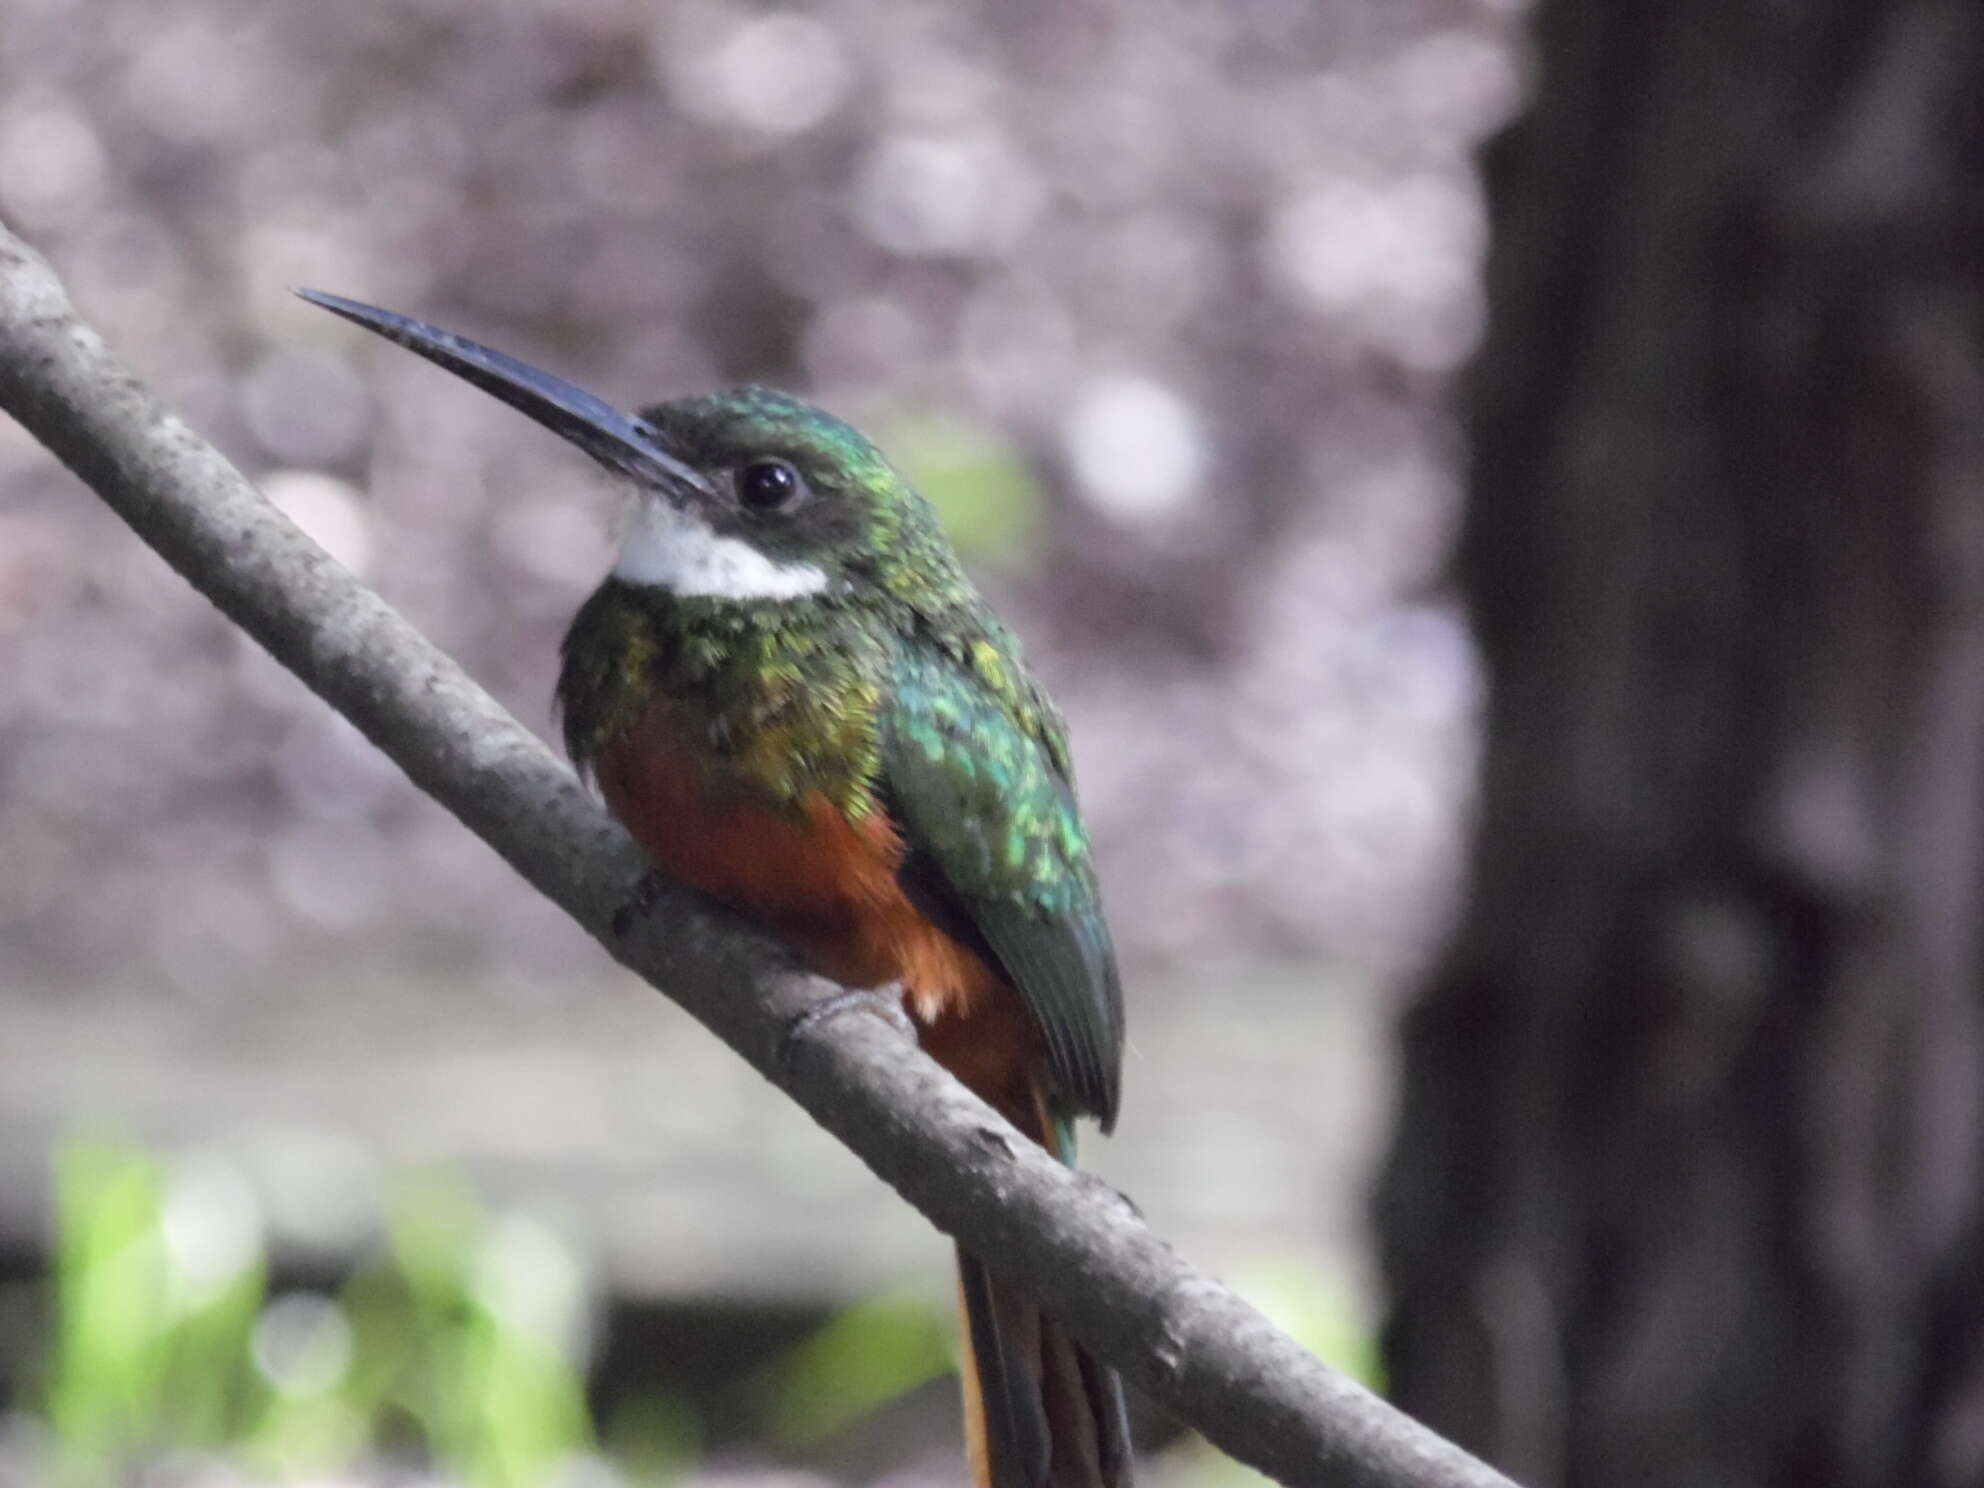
point(747, 496)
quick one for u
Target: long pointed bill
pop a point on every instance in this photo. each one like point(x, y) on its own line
point(617, 440)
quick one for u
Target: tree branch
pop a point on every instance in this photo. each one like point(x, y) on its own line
point(1184, 1338)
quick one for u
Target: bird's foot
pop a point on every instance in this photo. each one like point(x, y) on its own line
point(638, 903)
point(884, 1002)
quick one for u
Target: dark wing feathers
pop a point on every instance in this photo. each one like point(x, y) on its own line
point(977, 782)
point(1064, 967)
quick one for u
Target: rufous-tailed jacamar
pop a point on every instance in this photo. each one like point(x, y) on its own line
point(796, 701)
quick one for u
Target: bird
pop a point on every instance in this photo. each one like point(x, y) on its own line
point(796, 701)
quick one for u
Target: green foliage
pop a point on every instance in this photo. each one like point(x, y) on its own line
point(863, 1357)
point(989, 502)
point(155, 1301)
point(499, 1397)
point(165, 1336)
point(653, 1438)
point(459, 1342)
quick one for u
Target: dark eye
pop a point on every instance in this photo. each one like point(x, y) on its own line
point(766, 485)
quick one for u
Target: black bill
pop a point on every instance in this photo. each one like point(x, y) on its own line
point(619, 441)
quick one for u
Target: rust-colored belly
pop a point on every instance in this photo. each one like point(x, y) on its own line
point(827, 885)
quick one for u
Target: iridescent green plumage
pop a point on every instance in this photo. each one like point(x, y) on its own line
point(791, 698)
point(895, 689)
point(986, 800)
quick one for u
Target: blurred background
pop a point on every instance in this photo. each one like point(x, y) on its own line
point(1158, 302)
point(1496, 493)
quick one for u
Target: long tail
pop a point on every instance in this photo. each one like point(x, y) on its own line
point(1040, 1410)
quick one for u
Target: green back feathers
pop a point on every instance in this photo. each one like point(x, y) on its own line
point(983, 795)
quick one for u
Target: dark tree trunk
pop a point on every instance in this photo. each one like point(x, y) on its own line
point(1686, 1188)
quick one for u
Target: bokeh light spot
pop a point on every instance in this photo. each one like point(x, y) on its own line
point(1136, 447)
point(329, 510)
point(934, 195)
point(212, 1224)
point(51, 162)
point(781, 74)
point(305, 406)
point(303, 1343)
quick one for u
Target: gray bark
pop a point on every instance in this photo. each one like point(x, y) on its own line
point(1686, 1185)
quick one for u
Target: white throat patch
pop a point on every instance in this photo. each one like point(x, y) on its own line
point(669, 549)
